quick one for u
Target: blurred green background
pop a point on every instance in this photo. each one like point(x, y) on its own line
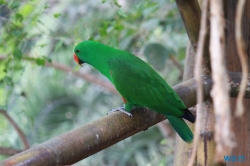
point(46, 102)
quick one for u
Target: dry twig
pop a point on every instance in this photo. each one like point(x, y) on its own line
point(198, 65)
point(2, 57)
point(19, 131)
point(243, 57)
point(87, 77)
point(220, 90)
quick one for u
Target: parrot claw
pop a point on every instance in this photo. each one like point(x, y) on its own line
point(144, 109)
point(121, 109)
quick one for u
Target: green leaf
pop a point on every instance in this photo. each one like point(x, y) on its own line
point(8, 80)
point(117, 4)
point(58, 45)
point(46, 6)
point(17, 53)
point(43, 45)
point(15, 5)
point(47, 59)
point(40, 61)
point(102, 31)
point(57, 15)
point(122, 13)
point(19, 17)
point(16, 33)
point(27, 9)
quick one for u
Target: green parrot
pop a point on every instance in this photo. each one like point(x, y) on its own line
point(137, 82)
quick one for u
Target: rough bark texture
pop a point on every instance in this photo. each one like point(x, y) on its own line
point(220, 91)
point(206, 148)
point(191, 15)
point(241, 126)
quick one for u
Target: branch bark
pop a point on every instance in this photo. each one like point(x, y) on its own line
point(191, 16)
point(9, 151)
point(223, 131)
point(2, 57)
point(242, 55)
point(80, 143)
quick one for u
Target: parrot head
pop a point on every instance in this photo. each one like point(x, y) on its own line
point(81, 52)
point(86, 52)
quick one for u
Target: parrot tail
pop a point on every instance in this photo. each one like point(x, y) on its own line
point(181, 128)
point(188, 116)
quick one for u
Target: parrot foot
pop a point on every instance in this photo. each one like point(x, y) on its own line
point(144, 109)
point(121, 109)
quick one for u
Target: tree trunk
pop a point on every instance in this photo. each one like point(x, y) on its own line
point(241, 125)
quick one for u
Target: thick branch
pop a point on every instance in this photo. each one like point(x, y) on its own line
point(80, 143)
point(191, 15)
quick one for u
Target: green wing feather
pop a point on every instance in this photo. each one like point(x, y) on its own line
point(140, 84)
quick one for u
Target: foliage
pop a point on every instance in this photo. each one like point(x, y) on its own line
point(46, 102)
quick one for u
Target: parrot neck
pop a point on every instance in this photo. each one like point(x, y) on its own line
point(102, 66)
point(100, 58)
point(101, 62)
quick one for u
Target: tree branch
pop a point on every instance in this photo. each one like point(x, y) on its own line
point(191, 15)
point(17, 128)
point(80, 143)
point(9, 151)
point(85, 76)
point(2, 57)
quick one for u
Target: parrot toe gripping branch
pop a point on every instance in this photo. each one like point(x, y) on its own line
point(121, 109)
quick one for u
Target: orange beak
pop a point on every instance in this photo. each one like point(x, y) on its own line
point(77, 60)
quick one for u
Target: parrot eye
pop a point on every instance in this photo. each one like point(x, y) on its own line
point(77, 51)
